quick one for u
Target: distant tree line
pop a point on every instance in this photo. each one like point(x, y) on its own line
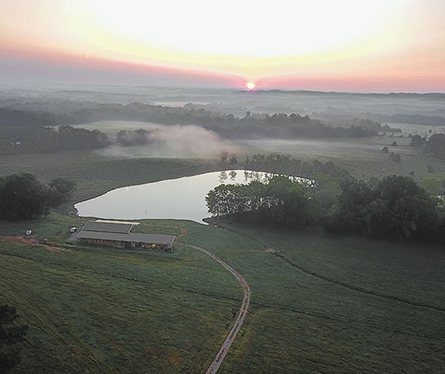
point(22, 196)
point(417, 119)
point(394, 207)
point(15, 140)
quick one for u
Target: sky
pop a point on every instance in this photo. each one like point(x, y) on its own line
point(342, 45)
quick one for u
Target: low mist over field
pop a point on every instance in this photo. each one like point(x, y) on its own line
point(176, 142)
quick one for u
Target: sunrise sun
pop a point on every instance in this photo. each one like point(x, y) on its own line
point(250, 85)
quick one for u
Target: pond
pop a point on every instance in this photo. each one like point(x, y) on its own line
point(182, 198)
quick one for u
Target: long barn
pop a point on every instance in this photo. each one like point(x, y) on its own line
point(118, 234)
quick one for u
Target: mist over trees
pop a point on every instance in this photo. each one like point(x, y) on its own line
point(27, 125)
point(131, 138)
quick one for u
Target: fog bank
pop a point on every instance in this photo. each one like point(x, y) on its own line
point(175, 142)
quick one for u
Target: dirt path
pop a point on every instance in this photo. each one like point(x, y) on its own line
point(34, 242)
point(214, 366)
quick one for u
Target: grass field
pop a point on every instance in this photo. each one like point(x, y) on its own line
point(319, 304)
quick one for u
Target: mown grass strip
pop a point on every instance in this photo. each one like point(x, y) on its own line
point(356, 288)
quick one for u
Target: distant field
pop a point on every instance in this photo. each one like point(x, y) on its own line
point(415, 129)
point(319, 304)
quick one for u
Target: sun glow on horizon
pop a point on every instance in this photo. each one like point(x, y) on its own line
point(250, 86)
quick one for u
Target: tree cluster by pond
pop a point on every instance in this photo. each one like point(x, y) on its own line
point(286, 165)
point(22, 196)
point(394, 207)
point(281, 201)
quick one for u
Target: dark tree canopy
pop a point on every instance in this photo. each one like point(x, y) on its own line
point(22, 196)
point(417, 141)
point(396, 208)
point(278, 202)
point(435, 145)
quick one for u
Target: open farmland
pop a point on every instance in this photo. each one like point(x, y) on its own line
point(319, 304)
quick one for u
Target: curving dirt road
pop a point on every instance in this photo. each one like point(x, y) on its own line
point(214, 366)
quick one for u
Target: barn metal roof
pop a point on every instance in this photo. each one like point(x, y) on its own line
point(122, 228)
point(131, 237)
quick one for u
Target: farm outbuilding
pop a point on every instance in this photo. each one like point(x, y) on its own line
point(118, 234)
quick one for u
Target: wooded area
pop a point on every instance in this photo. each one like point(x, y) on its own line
point(22, 196)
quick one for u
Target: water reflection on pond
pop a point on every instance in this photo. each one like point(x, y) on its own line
point(182, 198)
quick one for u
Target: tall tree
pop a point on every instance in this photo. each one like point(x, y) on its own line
point(58, 191)
point(21, 196)
point(10, 335)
